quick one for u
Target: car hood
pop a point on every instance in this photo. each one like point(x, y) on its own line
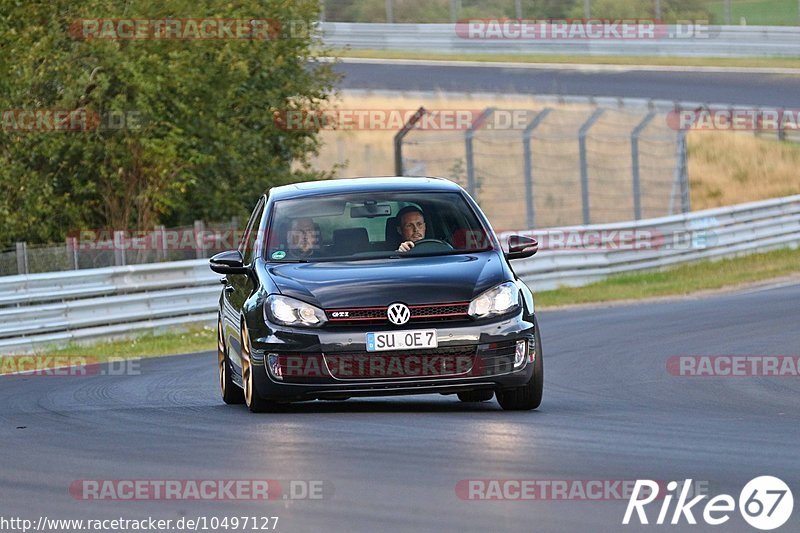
point(419, 280)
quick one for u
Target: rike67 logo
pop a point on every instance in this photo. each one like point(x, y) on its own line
point(765, 503)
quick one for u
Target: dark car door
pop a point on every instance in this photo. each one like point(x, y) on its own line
point(240, 286)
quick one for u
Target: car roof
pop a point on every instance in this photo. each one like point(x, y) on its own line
point(370, 184)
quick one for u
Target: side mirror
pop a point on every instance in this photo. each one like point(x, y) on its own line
point(229, 262)
point(520, 247)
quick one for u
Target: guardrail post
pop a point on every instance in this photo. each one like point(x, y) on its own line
point(398, 140)
point(584, 164)
point(468, 136)
point(526, 147)
point(637, 197)
point(199, 247)
point(22, 257)
point(119, 248)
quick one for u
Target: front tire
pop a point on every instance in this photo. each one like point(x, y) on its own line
point(528, 396)
point(232, 394)
point(254, 402)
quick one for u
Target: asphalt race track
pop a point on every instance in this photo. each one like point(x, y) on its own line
point(739, 88)
point(611, 411)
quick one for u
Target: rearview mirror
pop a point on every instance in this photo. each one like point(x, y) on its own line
point(229, 262)
point(520, 247)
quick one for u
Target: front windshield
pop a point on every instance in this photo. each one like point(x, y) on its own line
point(375, 225)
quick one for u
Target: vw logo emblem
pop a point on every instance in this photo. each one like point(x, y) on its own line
point(398, 314)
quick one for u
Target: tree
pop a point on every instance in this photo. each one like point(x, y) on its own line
point(178, 129)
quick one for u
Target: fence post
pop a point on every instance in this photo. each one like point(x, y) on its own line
point(22, 257)
point(368, 158)
point(72, 251)
point(389, 11)
point(119, 248)
point(587, 9)
point(526, 147)
point(468, 136)
point(584, 164)
point(398, 140)
point(637, 196)
point(161, 242)
point(199, 247)
point(455, 9)
point(680, 184)
point(684, 174)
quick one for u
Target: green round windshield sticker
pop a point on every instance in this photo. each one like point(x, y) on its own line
point(280, 254)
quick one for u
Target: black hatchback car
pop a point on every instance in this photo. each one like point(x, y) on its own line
point(372, 287)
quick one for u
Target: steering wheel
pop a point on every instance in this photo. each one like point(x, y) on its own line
point(426, 243)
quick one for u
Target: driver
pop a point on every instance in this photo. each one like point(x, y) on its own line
point(303, 238)
point(411, 227)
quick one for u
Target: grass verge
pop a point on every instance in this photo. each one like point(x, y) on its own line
point(678, 281)
point(659, 61)
point(192, 339)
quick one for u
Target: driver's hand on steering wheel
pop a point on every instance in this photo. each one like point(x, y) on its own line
point(406, 246)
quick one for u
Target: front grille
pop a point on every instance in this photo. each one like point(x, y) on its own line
point(419, 313)
point(470, 361)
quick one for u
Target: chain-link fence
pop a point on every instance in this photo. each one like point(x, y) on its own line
point(104, 248)
point(559, 165)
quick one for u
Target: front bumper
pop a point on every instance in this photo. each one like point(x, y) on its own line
point(482, 356)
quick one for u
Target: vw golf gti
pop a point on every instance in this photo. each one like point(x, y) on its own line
point(372, 287)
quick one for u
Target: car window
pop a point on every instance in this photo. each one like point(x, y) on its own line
point(365, 226)
point(247, 247)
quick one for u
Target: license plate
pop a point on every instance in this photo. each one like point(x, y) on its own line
point(402, 340)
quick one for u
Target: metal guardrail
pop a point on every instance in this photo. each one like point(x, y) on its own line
point(55, 308)
point(709, 234)
point(721, 41)
point(42, 309)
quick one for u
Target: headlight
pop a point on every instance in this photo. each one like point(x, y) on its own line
point(291, 312)
point(496, 301)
